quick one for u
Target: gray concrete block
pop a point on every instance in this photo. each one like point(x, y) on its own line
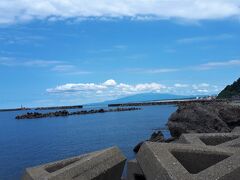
point(134, 171)
point(236, 130)
point(107, 164)
point(212, 139)
point(161, 161)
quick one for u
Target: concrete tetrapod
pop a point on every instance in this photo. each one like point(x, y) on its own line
point(236, 130)
point(213, 139)
point(106, 164)
point(134, 171)
point(161, 161)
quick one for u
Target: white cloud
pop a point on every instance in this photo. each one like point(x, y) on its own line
point(219, 64)
point(69, 69)
point(70, 87)
point(16, 38)
point(200, 86)
point(205, 38)
point(110, 89)
point(199, 67)
point(109, 86)
point(110, 82)
point(202, 90)
point(63, 68)
point(6, 61)
point(9, 61)
point(153, 71)
point(37, 63)
point(181, 85)
point(26, 10)
point(156, 71)
point(52, 65)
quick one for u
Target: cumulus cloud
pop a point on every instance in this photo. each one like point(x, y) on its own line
point(70, 87)
point(110, 82)
point(110, 89)
point(109, 86)
point(26, 10)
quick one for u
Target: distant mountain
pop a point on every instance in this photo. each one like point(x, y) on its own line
point(147, 97)
point(231, 91)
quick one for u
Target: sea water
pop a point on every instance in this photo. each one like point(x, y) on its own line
point(31, 142)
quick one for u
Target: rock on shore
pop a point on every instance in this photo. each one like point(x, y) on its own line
point(204, 118)
point(156, 136)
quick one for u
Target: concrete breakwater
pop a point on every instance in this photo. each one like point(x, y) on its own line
point(193, 157)
point(35, 115)
point(42, 108)
point(15, 109)
point(106, 164)
point(59, 107)
point(167, 102)
point(189, 155)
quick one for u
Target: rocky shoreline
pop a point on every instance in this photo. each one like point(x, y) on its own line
point(204, 145)
point(212, 117)
point(198, 117)
point(36, 115)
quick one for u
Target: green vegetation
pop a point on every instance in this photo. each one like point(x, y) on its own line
point(231, 91)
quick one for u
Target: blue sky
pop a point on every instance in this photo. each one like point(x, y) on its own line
point(66, 52)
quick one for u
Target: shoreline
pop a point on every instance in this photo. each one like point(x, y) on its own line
point(215, 116)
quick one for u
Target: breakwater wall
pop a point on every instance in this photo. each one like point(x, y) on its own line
point(167, 102)
point(36, 115)
point(59, 107)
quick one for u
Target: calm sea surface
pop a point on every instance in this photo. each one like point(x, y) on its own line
point(26, 143)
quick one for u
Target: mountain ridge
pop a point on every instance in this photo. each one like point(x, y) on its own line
point(147, 97)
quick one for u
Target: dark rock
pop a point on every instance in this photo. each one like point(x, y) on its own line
point(230, 115)
point(101, 111)
point(155, 137)
point(66, 113)
point(137, 147)
point(204, 118)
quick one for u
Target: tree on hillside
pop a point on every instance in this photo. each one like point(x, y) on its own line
point(231, 91)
